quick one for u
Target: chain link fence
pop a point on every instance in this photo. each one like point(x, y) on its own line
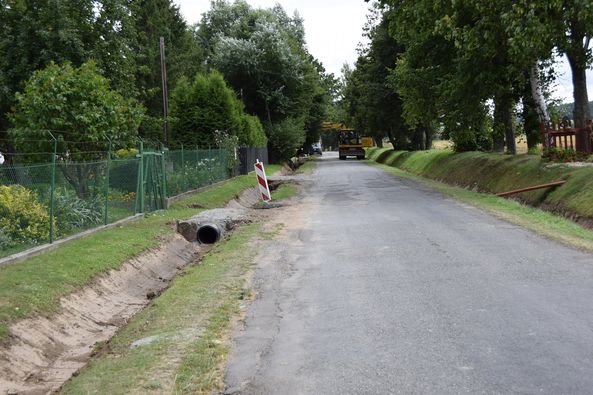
point(40, 203)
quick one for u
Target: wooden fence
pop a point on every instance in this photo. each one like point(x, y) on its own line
point(567, 137)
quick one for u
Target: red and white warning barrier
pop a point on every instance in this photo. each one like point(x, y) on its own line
point(262, 181)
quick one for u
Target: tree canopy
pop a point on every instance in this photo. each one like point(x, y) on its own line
point(206, 104)
point(260, 55)
point(465, 69)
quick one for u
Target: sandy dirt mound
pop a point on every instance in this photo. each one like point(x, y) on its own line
point(43, 353)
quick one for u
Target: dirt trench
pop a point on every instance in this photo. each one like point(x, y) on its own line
point(43, 353)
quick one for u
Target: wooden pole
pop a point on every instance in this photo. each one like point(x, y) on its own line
point(165, 91)
point(548, 185)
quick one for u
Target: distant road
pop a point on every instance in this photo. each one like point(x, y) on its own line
point(385, 286)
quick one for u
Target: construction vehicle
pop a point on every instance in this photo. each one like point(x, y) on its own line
point(350, 141)
point(350, 144)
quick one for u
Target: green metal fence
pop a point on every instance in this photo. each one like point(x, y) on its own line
point(191, 169)
point(40, 203)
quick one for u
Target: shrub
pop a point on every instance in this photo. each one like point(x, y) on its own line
point(555, 154)
point(123, 175)
point(471, 140)
point(5, 241)
point(189, 178)
point(22, 217)
point(201, 106)
point(126, 153)
point(285, 138)
point(252, 132)
point(73, 213)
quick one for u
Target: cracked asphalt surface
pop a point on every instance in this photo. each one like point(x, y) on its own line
point(381, 285)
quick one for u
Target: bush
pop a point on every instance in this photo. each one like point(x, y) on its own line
point(22, 218)
point(201, 106)
point(479, 139)
point(285, 138)
point(73, 213)
point(123, 175)
point(5, 241)
point(252, 133)
point(188, 179)
point(126, 153)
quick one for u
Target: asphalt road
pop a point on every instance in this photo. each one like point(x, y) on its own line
point(385, 286)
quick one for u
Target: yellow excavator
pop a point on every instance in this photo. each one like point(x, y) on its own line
point(350, 141)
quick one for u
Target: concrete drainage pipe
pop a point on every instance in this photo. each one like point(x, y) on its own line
point(209, 233)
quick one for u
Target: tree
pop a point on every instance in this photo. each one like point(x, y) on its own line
point(574, 30)
point(375, 106)
point(432, 76)
point(113, 42)
point(154, 19)
point(78, 107)
point(540, 26)
point(206, 104)
point(262, 55)
point(37, 32)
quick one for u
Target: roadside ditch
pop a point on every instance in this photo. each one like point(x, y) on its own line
point(496, 173)
point(41, 353)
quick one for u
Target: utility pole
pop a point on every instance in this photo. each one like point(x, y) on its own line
point(165, 92)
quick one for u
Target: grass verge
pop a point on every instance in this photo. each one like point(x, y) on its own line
point(36, 285)
point(284, 191)
point(542, 222)
point(182, 358)
point(308, 166)
point(493, 173)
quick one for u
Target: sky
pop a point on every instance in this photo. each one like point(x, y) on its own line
point(333, 29)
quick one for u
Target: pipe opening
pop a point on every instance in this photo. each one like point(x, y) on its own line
point(208, 234)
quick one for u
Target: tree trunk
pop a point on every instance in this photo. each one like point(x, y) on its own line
point(418, 139)
point(531, 122)
point(428, 132)
point(531, 119)
point(578, 67)
point(538, 95)
point(378, 141)
point(497, 127)
point(509, 130)
point(77, 175)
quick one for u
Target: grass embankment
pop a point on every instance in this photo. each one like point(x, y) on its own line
point(493, 173)
point(36, 285)
point(497, 173)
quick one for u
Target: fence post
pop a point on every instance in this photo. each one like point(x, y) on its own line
point(105, 216)
point(183, 182)
point(210, 163)
point(222, 171)
point(53, 189)
point(141, 178)
point(164, 170)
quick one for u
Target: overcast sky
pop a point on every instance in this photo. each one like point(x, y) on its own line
point(333, 28)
